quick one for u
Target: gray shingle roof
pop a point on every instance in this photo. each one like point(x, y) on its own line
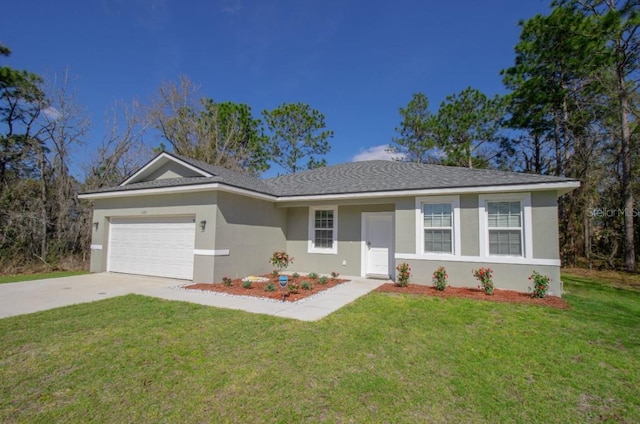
point(380, 175)
point(229, 177)
point(354, 177)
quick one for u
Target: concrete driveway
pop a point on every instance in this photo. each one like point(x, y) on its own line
point(39, 295)
point(33, 296)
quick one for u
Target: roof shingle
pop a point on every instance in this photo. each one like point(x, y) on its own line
point(353, 177)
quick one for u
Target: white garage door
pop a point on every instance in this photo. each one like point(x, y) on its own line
point(159, 246)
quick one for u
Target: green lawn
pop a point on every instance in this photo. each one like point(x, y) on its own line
point(384, 358)
point(41, 276)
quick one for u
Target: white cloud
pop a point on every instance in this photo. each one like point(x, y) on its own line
point(52, 113)
point(376, 153)
point(231, 6)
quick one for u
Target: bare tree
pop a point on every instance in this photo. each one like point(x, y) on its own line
point(224, 134)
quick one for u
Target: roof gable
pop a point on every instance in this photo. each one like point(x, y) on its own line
point(165, 166)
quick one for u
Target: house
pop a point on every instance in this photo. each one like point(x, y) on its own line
point(182, 218)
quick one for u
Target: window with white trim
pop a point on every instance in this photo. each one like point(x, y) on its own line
point(504, 223)
point(438, 227)
point(323, 229)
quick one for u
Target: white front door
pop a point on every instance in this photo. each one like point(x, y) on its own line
point(378, 242)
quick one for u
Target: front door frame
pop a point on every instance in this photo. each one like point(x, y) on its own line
point(363, 242)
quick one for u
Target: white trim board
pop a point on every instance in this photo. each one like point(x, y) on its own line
point(479, 259)
point(211, 252)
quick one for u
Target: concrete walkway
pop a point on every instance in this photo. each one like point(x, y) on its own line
point(33, 296)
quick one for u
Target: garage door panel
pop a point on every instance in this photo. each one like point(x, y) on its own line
point(158, 246)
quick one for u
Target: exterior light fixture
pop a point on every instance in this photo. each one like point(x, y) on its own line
point(203, 224)
point(95, 225)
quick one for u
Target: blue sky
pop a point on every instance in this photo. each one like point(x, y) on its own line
point(355, 61)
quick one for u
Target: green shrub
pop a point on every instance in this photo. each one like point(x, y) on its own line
point(306, 285)
point(540, 285)
point(484, 276)
point(227, 281)
point(275, 273)
point(313, 275)
point(246, 284)
point(270, 287)
point(440, 278)
point(293, 287)
point(295, 275)
point(404, 274)
point(334, 274)
point(323, 280)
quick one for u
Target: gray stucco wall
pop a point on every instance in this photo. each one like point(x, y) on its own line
point(544, 215)
point(202, 205)
point(172, 170)
point(252, 230)
point(505, 276)
point(469, 225)
point(347, 261)
point(406, 225)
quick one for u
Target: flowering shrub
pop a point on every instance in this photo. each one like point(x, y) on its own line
point(404, 273)
point(280, 260)
point(540, 285)
point(227, 281)
point(293, 287)
point(440, 278)
point(484, 275)
point(334, 274)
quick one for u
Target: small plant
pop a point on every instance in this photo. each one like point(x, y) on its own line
point(280, 260)
point(275, 273)
point(306, 285)
point(484, 276)
point(404, 273)
point(540, 285)
point(227, 281)
point(313, 275)
point(323, 280)
point(293, 287)
point(270, 287)
point(440, 278)
point(246, 284)
point(295, 275)
point(335, 274)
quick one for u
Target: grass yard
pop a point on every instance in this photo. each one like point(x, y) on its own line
point(40, 276)
point(384, 358)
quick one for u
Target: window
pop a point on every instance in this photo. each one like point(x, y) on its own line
point(323, 229)
point(438, 227)
point(505, 228)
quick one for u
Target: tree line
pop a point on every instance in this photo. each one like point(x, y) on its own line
point(571, 110)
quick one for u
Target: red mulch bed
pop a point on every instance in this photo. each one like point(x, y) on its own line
point(478, 294)
point(257, 289)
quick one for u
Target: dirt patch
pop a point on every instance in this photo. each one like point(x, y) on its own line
point(478, 294)
point(258, 288)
